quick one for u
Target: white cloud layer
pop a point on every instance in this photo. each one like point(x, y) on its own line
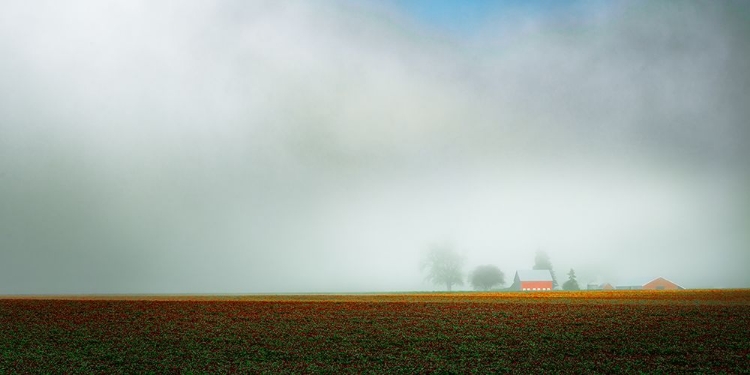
point(200, 147)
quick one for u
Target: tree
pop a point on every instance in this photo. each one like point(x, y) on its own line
point(542, 262)
point(485, 277)
point(571, 284)
point(444, 266)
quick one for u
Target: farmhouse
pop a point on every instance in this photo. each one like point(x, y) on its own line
point(532, 280)
point(661, 283)
point(658, 283)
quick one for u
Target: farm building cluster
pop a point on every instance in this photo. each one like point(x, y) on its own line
point(540, 280)
point(658, 283)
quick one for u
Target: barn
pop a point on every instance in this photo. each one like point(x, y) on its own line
point(532, 280)
point(661, 283)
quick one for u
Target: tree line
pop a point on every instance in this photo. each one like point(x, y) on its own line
point(444, 266)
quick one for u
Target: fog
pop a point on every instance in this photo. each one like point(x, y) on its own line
point(285, 147)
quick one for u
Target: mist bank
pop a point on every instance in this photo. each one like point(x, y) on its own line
point(266, 147)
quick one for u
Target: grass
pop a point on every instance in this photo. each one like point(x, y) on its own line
point(582, 332)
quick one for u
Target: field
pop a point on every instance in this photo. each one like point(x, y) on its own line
point(552, 332)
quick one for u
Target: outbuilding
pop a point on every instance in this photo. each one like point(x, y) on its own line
point(532, 280)
point(597, 286)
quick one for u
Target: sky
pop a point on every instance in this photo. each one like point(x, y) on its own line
point(325, 147)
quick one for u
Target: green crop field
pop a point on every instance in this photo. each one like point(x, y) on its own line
point(552, 332)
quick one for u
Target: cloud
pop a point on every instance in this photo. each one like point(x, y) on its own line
point(267, 147)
